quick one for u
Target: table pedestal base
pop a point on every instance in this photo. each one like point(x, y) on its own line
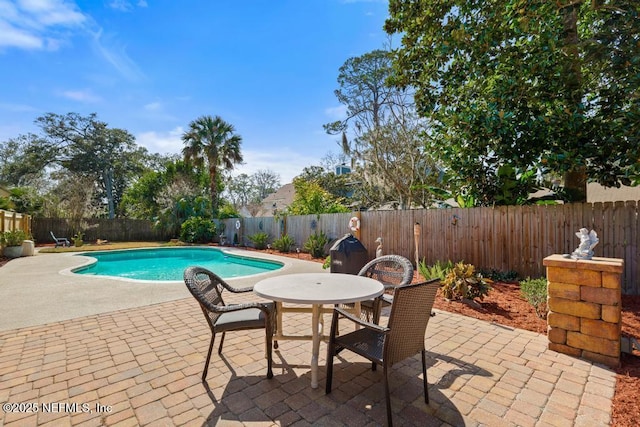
point(317, 331)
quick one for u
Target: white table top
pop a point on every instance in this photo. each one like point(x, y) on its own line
point(318, 288)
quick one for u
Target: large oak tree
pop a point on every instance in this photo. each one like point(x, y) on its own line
point(538, 85)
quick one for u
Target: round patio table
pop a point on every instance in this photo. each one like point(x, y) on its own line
point(315, 289)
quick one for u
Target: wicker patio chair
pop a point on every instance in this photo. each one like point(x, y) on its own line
point(391, 271)
point(402, 338)
point(207, 289)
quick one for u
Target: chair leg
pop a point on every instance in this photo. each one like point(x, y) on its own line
point(330, 354)
point(424, 376)
point(269, 340)
point(331, 350)
point(206, 364)
point(221, 342)
point(377, 310)
point(387, 396)
point(275, 330)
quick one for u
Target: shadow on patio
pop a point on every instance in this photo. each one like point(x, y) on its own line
point(143, 366)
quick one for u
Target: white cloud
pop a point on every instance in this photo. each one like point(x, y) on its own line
point(117, 56)
point(17, 108)
point(121, 5)
point(153, 106)
point(126, 6)
point(80, 95)
point(15, 37)
point(169, 142)
point(285, 162)
point(36, 24)
point(336, 113)
point(45, 25)
point(53, 12)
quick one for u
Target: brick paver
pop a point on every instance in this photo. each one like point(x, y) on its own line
point(142, 366)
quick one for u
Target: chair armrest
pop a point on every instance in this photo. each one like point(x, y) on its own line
point(386, 298)
point(242, 290)
point(361, 322)
point(236, 290)
point(238, 307)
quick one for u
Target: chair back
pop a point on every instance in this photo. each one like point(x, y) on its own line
point(389, 270)
point(206, 287)
point(410, 314)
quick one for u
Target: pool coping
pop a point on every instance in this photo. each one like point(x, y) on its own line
point(89, 260)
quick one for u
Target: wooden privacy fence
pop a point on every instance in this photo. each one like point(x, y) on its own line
point(504, 238)
point(298, 227)
point(10, 221)
point(97, 228)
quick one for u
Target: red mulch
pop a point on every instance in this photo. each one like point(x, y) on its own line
point(505, 305)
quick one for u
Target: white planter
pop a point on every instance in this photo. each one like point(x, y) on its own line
point(13, 251)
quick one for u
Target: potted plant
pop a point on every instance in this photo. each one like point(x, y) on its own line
point(77, 239)
point(12, 242)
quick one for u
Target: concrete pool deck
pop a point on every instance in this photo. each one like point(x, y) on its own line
point(41, 289)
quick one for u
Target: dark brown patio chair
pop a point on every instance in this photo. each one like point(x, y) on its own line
point(391, 271)
point(402, 338)
point(207, 289)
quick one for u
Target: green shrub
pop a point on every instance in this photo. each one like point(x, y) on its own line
point(535, 292)
point(284, 243)
point(327, 263)
point(316, 243)
point(462, 282)
point(78, 239)
point(498, 275)
point(438, 270)
point(197, 230)
point(259, 240)
point(13, 237)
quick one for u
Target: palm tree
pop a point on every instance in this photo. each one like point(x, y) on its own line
point(211, 140)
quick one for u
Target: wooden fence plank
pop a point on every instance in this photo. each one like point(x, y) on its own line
point(629, 243)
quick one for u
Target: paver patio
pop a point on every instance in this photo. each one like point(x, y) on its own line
point(142, 366)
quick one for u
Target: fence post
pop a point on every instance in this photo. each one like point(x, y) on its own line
point(1, 221)
point(417, 230)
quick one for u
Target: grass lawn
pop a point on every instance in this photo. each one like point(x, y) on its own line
point(105, 246)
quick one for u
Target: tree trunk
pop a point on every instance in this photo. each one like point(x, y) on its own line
point(108, 186)
point(575, 184)
point(213, 189)
point(575, 180)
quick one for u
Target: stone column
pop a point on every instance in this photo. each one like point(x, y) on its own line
point(585, 307)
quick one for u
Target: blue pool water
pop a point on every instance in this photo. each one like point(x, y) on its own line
point(168, 264)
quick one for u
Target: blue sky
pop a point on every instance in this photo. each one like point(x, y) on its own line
point(269, 67)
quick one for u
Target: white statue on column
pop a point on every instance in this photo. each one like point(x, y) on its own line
point(588, 241)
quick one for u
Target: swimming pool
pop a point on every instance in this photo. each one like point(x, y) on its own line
point(168, 264)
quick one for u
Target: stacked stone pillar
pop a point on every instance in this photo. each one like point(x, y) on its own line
point(585, 307)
